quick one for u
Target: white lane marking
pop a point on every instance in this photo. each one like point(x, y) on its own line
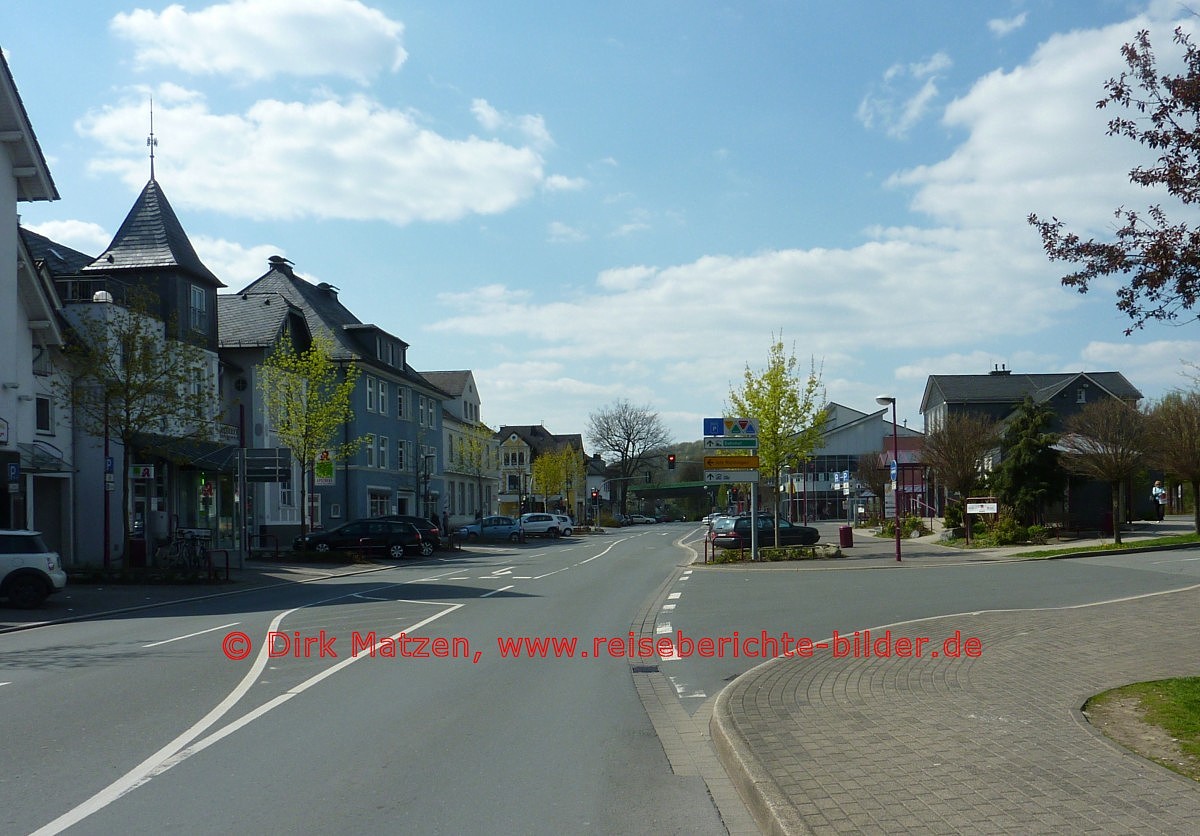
point(674, 595)
point(673, 656)
point(507, 570)
point(548, 574)
point(680, 689)
point(190, 635)
point(665, 627)
point(611, 546)
point(146, 769)
point(668, 607)
point(1180, 560)
point(496, 591)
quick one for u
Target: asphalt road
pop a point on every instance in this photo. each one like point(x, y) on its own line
point(140, 722)
point(814, 600)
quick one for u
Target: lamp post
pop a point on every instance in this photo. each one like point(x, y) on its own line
point(787, 475)
point(884, 400)
point(428, 478)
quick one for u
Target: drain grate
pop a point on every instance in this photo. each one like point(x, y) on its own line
point(645, 668)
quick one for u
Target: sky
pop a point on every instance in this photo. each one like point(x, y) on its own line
point(586, 203)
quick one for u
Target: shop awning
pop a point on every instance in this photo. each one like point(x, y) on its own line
point(191, 452)
point(42, 457)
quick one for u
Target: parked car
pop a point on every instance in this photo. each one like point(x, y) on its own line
point(492, 528)
point(393, 537)
point(639, 519)
point(734, 533)
point(429, 528)
point(537, 524)
point(566, 523)
point(29, 571)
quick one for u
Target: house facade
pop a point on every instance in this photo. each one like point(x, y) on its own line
point(998, 394)
point(471, 460)
point(519, 448)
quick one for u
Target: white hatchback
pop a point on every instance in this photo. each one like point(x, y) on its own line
point(28, 570)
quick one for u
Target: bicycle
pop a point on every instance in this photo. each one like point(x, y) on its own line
point(186, 552)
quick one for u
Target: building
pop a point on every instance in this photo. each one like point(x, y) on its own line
point(471, 463)
point(998, 394)
point(520, 446)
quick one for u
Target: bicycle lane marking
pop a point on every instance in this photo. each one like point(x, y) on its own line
point(169, 755)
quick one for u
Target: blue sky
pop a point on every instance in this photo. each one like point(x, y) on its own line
point(624, 200)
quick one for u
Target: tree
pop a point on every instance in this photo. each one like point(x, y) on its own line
point(1162, 259)
point(955, 449)
point(1108, 441)
point(874, 471)
point(1029, 474)
point(477, 454)
point(1175, 431)
point(633, 435)
point(789, 409)
point(307, 398)
point(558, 473)
point(128, 380)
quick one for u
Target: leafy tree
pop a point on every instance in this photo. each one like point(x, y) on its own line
point(874, 471)
point(1029, 474)
point(128, 379)
point(632, 435)
point(790, 411)
point(1161, 258)
point(955, 449)
point(308, 399)
point(1175, 430)
point(1108, 441)
point(477, 454)
point(559, 473)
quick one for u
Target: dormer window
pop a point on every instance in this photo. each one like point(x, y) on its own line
point(1081, 395)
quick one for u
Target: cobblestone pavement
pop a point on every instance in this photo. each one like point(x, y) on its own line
point(993, 744)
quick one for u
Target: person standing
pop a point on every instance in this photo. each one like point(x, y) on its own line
point(1159, 494)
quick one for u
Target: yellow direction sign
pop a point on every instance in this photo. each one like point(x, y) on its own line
point(731, 462)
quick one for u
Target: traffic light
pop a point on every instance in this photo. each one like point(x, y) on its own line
point(595, 493)
point(670, 461)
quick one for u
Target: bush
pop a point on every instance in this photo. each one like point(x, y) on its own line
point(1039, 535)
point(954, 515)
point(908, 525)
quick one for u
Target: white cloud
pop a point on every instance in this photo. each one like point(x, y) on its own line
point(1006, 26)
point(259, 39)
point(531, 128)
point(84, 236)
point(1154, 366)
point(560, 233)
point(347, 158)
point(234, 264)
point(904, 95)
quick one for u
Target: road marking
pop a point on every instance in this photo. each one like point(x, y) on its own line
point(680, 688)
point(674, 595)
point(190, 635)
point(496, 591)
point(665, 627)
point(1180, 560)
point(507, 570)
point(169, 754)
point(667, 607)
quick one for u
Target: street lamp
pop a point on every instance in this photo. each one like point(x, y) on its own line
point(428, 478)
point(884, 400)
point(787, 475)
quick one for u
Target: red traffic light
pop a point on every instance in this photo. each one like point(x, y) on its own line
point(670, 461)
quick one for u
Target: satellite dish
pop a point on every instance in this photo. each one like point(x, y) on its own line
point(101, 296)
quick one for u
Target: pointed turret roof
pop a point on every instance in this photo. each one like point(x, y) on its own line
point(150, 238)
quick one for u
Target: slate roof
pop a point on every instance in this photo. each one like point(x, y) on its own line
point(1012, 388)
point(539, 439)
point(246, 320)
point(151, 237)
point(59, 259)
point(29, 167)
point(325, 315)
point(452, 383)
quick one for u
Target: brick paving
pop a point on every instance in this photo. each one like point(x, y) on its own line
point(995, 744)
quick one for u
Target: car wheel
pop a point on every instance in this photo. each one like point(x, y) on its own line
point(321, 547)
point(396, 551)
point(26, 592)
point(426, 548)
point(566, 532)
point(515, 537)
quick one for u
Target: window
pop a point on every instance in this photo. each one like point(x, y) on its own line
point(383, 397)
point(379, 502)
point(1081, 395)
point(45, 415)
point(370, 445)
point(421, 409)
point(402, 404)
point(403, 455)
point(370, 394)
point(383, 452)
point(199, 309)
point(383, 350)
point(286, 496)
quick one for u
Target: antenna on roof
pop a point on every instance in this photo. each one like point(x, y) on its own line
point(151, 142)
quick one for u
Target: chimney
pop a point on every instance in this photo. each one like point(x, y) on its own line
point(999, 370)
point(281, 264)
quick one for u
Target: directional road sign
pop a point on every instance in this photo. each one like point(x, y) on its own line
point(730, 476)
point(729, 442)
point(730, 426)
point(730, 462)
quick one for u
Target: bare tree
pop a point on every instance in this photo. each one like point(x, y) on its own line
point(1108, 441)
point(632, 435)
point(875, 473)
point(955, 450)
point(1175, 430)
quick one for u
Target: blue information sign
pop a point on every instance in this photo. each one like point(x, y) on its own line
point(14, 472)
point(714, 426)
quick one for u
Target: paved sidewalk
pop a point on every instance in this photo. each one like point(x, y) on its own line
point(994, 744)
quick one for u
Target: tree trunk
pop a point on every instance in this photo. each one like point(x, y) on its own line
point(1196, 504)
point(1115, 503)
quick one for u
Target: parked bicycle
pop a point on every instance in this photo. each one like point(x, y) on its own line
point(187, 551)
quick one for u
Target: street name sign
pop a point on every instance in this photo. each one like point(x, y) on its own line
point(726, 443)
point(730, 462)
point(730, 476)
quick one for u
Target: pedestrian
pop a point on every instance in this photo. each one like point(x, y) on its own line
point(1159, 495)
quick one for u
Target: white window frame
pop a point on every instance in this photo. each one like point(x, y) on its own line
point(382, 458)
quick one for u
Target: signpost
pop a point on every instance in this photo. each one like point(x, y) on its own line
point(731, 462)
point(733, 477)
point(730, 442)
point(734, 434)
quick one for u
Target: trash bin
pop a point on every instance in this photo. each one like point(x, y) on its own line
point(846, 537)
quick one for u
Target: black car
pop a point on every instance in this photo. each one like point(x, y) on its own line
point(734, 533)
point(428, 528)
point(391, 537)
